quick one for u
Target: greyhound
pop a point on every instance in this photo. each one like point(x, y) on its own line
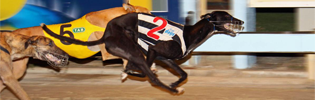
point(131, 35)
point(16, 46)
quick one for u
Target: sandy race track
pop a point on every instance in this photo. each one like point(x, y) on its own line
point(49, 86)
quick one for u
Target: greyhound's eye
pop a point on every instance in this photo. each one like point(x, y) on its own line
point(50, 43)
point(227, 16)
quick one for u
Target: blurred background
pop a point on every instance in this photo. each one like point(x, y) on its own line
point(272, 59)
point(262, 18)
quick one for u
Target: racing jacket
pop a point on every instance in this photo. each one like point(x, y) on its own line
point(79, 29)
point(153, 29)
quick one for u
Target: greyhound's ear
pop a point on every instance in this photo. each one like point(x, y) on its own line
point(129, 8)
point(32, 41)
point(206, 16)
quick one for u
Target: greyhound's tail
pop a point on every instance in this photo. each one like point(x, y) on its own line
point(71, 40)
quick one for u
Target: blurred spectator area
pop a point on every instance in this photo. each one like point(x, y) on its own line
point(268, 19)
point(275, 19)
point(218, 4)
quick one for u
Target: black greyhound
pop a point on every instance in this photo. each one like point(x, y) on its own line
point(132, 35)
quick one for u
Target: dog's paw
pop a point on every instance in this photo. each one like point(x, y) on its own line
point(180, 90)
point(124, 76)
point(154, 70)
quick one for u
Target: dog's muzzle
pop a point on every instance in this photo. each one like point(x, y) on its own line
point(232, 27)
point(235, 28)
point(54, 59)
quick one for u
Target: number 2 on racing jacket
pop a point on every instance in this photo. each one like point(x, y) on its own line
point(153, 29)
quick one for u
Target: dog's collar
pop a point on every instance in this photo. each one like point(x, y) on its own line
point(212, 24)
point(3, 49)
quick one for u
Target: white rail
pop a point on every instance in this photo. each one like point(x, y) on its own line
point(285, 42)
point(295, 42)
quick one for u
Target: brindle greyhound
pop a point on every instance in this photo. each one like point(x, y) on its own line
point(131, 35)
point(16, 46)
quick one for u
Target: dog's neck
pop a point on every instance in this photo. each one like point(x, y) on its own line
point(18, 47)
point(195, 35)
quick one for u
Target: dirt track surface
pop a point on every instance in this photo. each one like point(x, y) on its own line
point(110, 87)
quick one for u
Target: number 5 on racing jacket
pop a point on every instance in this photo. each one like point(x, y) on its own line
point(79, 29)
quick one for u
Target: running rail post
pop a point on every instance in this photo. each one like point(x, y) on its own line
point(310, 64)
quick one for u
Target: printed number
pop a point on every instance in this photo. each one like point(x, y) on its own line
point(62, 33)
point(151, 32)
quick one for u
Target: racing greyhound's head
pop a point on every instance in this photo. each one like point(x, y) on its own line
point(225, 22)
point(45, 49)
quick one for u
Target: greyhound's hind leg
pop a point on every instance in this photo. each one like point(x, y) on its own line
point(133, 70)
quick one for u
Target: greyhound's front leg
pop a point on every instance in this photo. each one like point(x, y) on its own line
point(151, 55)
point(10, 81)
point(19, 68)
point(182, 73)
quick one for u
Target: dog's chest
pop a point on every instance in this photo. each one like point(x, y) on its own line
point(154, 29)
